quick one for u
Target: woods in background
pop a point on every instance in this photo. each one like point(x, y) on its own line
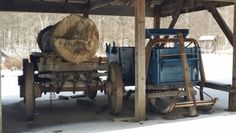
point(19, 30)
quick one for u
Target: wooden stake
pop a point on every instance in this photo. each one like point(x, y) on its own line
point(188, 83)
point(140, 77)
point(232, 95)
point(203, 78)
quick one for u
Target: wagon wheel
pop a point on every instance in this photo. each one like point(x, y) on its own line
point(91, 93)
point(29, 91)
point(115, 97)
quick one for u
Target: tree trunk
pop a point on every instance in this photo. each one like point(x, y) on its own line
point(75, 39)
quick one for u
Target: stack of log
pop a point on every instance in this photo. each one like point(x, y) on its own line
point(75, 39)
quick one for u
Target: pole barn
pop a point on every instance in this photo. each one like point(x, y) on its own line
point(140, 9)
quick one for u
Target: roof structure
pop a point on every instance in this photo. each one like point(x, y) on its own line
point(107, 7)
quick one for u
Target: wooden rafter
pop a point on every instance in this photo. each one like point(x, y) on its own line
point(175, 17)
point(94, 4)
point(152, 3)
point(39, 6)
point(86, 10)
point(176, 14)
point(168, 8)
point(221, 0)
point(219, 19)
point(157, 18)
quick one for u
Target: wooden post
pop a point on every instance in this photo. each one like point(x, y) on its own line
point(187, 79)
point(86, 12)
point(157, 18)
point(232, 95)
point(140, 77)
point(0, 93)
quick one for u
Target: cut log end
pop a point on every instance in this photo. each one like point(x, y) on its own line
point(75, 38)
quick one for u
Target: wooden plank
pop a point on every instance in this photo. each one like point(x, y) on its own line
point(219, 19)
point(188, 84)
point(71, 89)
point(232, 95)
point(218, 86)
point(69, 67)
point(140, 77)
point(195, 103)
point(166, 94)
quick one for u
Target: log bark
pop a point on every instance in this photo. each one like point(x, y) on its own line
point(75, 39)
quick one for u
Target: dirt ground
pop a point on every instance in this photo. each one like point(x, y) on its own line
point(93, 116)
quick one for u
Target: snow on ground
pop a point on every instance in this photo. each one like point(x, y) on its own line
point(69, 117)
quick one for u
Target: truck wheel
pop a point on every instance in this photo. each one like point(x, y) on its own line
point(29, 91)
point(115, 98)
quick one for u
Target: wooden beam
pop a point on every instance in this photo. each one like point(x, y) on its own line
point(176, 14)
point(60, 7)
point(140, 76)
point(1, 93)
point(98, 4)
point(167, 9)
point(232, 95)
point(86, 10)
point(157, 18)
point(175, 17)
point(219, 19)
point(153, 3)
point(220, 0)
point(39, 6)
point(186, 76)
point(119, 10)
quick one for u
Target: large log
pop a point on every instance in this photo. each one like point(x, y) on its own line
point(75, 39)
